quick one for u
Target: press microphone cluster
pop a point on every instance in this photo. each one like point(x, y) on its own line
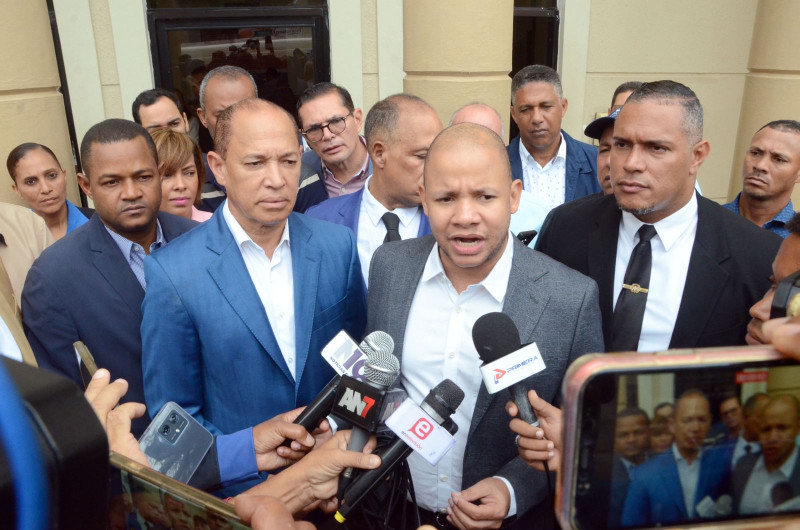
point(377, 343)
point(439, 404)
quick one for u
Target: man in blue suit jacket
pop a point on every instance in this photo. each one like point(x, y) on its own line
point(551, 164)
point(669, 488)
point(237, 312)
point(399, 131)
point(89, 285)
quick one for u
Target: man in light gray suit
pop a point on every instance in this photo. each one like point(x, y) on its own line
point(428, 292)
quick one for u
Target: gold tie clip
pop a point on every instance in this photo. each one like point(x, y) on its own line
point(635, 288)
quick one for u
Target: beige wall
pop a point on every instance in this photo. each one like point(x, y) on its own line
point(457, 51)
point(704, 45)
point(31, 106)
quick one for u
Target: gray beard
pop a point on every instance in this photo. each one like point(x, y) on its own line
point(639, 211)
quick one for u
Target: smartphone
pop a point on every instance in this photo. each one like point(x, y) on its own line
point(680, 438)
point(86, 363)
point(175, 443)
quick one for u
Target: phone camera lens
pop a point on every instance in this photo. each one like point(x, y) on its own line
point(165, 430)
point(173, 418)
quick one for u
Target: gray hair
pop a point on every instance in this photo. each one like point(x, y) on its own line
point(536, 73)
point(227, 72)
point(673, 93)
point(382, 118)
point(482, 105)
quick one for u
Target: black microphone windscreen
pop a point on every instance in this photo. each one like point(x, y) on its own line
point(781, 492)
point(445, 398)
point(495, 335)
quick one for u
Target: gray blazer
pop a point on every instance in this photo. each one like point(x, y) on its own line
point(551, 305)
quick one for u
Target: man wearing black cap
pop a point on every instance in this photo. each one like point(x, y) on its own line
point(602, 129)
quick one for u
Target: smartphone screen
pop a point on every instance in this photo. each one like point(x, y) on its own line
point(661, 447)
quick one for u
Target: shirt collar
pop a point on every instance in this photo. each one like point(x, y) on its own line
point(786, 468)
point(669, 229)
point(560, 155)
point(375, 210)
point(679, 457)
point(126, 245)
point(783, 217)
point(496, 282)
point(239, 234)
point(362, 173)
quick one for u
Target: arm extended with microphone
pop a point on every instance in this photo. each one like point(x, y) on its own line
point(440, 404)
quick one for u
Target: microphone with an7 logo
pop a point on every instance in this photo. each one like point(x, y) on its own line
point(414, 431)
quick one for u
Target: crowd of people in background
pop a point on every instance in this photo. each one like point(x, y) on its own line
point(214, 279)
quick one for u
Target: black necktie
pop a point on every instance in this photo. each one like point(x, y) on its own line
point(629, 312)
point(392, 223)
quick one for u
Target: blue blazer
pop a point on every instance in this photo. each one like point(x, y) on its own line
point(312, 188)
point(345, 210)
point(581, 169)
point(82, 288)
point(655, 495)
point(207, 342)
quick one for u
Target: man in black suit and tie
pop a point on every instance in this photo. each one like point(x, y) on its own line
point(758, 477)
point(427, 294)
point(655, 237)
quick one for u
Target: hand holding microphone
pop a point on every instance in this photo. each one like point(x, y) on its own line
point(538, 444)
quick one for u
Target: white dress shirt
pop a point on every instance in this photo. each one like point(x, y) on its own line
point(548, 182)
point(372, 231)
point(8, 346)
point(689, 475)
point(438, 345)
point(757, 494)
point(740, 449)
point(671, 249)
point(274, 283)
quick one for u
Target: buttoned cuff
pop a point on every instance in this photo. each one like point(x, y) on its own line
point(236, 456)
point(512, 507)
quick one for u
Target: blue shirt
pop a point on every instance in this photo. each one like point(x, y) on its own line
point(134, 253)
point(776, 224)
point(75, 217)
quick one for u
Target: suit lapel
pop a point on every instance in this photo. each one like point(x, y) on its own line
point(230, 274)
point(524, 303)
point(705, 278)
point(306, 261)
point(602, 254)
point(409, 274)
point(671, 481)
point(114, 267)
point(350, 210)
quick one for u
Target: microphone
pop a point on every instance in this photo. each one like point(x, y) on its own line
point(440, 403)
point(319, 409)
point(781, 492)
point(496, 338)
point(361, 403)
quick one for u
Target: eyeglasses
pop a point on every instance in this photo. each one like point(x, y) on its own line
point(335, 126)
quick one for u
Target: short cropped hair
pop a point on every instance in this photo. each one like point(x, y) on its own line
point(627, 86)
point(225, 121)
point(19, 152)
point(382, 117)
point(174, 149)
point(536, 73)
point(324, 88)
point(669, 92)
point(479, 104)
point(793, 226)
point(226, 72)
point(750, 404)
point(629, 412)
point(783, 126)
point(150, 97)
point(112, 131)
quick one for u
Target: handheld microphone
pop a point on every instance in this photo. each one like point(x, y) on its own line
point(495, 337)
point(440, 403)
point(318, 410)
point(361, 403)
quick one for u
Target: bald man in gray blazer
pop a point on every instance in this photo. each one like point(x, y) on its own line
point(428, 292)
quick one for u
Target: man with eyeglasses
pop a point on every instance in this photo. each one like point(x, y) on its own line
point(330, 124)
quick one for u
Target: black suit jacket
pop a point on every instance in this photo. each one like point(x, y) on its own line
point(743, 470)
point(729, 268)
point(82, 288)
